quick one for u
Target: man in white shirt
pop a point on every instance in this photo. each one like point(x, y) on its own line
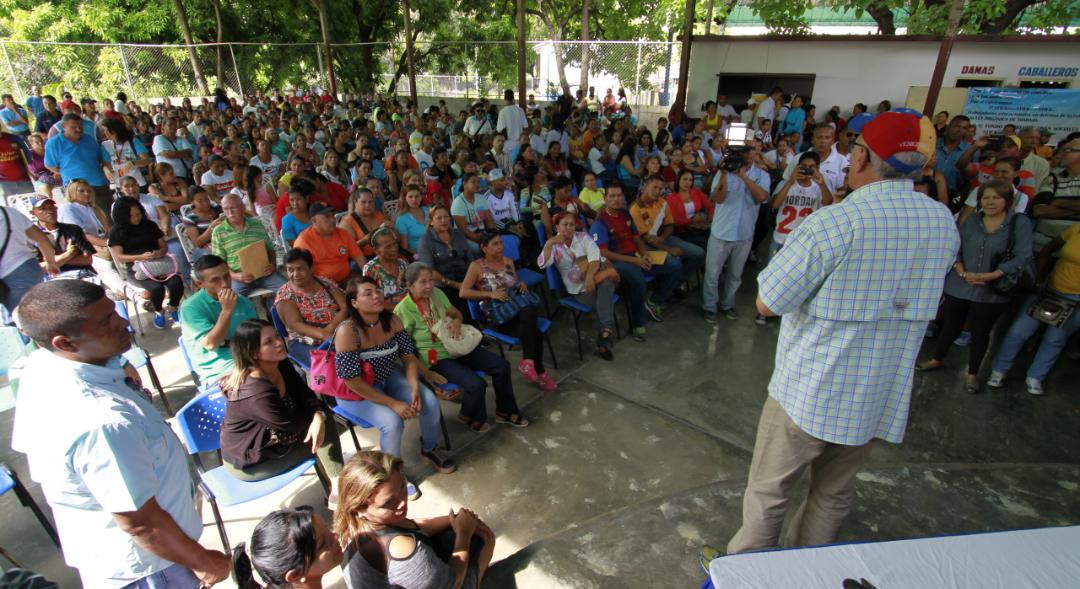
point(423, 156)
point(599, 158)
point(478, 124)
point(512, 122)
point(724, 109)
point(172, 149)
point(112, 470)
point(832, 163)
point(538, 139)
point(1031, 161)
point(768, 109)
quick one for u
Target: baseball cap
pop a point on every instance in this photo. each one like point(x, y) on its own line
point(68, 104)
point(320, 208)
point(891, 133)
point(1016, 140)
point(495, 174)
point(859, 121)
point(40, 200)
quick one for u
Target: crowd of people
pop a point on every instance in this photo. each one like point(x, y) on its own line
point(401, 230)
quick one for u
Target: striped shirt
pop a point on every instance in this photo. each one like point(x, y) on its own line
point(856, 283)
point(227, 242)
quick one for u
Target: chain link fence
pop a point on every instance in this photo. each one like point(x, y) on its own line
point(645, 70)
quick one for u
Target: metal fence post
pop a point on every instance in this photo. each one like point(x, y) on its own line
point(637, 75)
point(318, 61)
point(11, 69)
point(127, 70)
point(236, 70)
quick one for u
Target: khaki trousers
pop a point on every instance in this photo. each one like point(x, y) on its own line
point(782, 452)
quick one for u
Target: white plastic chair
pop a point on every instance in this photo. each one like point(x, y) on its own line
point(23, 202)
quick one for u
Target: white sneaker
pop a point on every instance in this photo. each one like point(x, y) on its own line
point(996, 379)
point(1034, 386)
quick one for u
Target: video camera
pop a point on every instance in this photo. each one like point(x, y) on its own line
point(738, 137)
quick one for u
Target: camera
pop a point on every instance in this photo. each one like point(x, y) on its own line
point(736, 159)
point(806, 170)
point(994, 143)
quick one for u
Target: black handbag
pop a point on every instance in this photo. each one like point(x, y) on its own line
point(1052, 309)
point(1020, 280)
point(499, 312)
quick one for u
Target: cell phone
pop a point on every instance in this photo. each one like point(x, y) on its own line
point(806, 171)
point(994, 142)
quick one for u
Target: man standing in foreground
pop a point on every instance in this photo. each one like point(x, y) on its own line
point(113, 472)
point(856, 283)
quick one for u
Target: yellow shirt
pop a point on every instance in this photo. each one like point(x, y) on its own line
point(593, 198)
point(646, 216)
point(1066, 275)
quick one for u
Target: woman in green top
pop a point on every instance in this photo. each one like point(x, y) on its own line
point(419, 311)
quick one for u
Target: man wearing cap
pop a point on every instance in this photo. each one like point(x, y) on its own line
point(75, 155)
point(856, 283)
point(331, 247)
point(237, 232)
point(70, 248)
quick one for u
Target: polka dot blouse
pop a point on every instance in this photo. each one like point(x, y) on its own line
point(384, 358)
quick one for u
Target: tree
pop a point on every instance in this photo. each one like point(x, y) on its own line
point(181, 16)
point(220, 37)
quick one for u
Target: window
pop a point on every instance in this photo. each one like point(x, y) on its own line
point(1043, 84)
point(977, 83)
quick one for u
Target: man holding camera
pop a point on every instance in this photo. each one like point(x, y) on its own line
point(738, 190)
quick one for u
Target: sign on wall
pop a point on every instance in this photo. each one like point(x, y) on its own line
point(1058, 110)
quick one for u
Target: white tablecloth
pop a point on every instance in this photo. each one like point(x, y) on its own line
point(1044, 559)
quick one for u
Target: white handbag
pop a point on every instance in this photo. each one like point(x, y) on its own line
point(459, 346)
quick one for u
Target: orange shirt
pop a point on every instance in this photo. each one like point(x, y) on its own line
point(331, 254)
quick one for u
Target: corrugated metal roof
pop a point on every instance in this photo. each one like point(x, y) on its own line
point(743, 15)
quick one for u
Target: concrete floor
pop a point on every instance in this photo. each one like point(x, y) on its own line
point(632, 466)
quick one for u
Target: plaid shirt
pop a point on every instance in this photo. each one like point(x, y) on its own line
point(856, 283)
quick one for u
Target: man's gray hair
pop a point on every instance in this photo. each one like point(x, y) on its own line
point(883, 170)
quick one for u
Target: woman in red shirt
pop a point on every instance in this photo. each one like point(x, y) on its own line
point(691, 209)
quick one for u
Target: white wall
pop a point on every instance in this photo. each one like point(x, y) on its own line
point(869, 72)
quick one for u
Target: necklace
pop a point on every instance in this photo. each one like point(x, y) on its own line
point(369, 325)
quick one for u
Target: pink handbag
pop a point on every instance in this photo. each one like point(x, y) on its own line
point(323, 377)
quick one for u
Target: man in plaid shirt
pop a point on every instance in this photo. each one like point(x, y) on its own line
point(855, 283)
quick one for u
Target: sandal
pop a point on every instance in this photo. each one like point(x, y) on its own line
point(928, 365)
point(513, 419)
point(451, 394)
point(603, 346)
point(475, 425)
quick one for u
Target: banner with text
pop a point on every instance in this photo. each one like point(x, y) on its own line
point(1058, 110)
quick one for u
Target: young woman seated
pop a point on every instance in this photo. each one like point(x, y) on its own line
point(383, 546)
point(376, 358)
point(135, 241)
point(273, 420)
point(492, 277)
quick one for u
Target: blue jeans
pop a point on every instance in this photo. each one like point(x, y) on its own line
point(462, 371)
point(272, 281)
point(693, 257)
point(390, 424)
point(1053, 340)
point(19, 281)
point(632, 279)
point(174, 577)
point(721, 254)
point(182, 264)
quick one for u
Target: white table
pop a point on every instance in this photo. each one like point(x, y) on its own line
point(1044, 559)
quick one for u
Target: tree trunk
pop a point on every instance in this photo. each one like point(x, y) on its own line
point(403, 64)
point(584, 86)
point(1013, 8)
point(407, 13)
point(678, 107)
point(324, 27)
point(365, 33)
point(883, 17)
point(220, 36)
point(521, 61)
point(181, 15)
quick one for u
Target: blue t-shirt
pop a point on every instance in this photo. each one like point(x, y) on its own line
point(291, 227)
point(36, 105)
point(412, 229)
point(81, 160)
point(474, 213)
point(12, 122)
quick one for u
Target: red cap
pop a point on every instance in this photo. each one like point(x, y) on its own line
point(67, 104)
point(891, 133)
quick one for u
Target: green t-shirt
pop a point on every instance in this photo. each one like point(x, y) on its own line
point(198, 315)
point(227, 242)
point(415, 326)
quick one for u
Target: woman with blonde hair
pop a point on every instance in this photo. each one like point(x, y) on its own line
point(382, 545)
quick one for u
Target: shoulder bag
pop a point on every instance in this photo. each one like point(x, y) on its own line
point(158, 270)
point(1018, 281)
point(467, 339)
point(1052, 309)
point(323, 377)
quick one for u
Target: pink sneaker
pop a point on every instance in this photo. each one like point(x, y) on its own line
point(547, 384)
point(528, 370)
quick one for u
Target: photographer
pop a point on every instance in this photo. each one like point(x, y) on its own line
point(737, 190)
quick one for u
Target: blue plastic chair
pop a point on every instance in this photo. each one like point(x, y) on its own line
point(576, 308)
point(138, 357)
point(279, 326)
point(543, 323)
point(10, 481)
point(531, 278)
point(187, 362)
point(199, 423)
